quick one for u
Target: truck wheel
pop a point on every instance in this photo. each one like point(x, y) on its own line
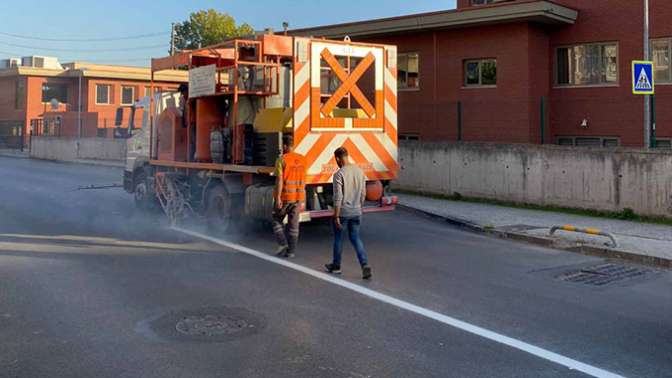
point(219, 210)
point(143, 198)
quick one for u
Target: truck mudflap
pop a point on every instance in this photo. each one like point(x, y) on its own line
point(384, 205)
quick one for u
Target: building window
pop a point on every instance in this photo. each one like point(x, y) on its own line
point(606, 142)
point(127, 95)
point(590, 64)
point(103, 94)
point(482, 2)
point(57, 92)
point(20, 94)
point(408, 65)
point(661, 50)
point(148, 91)
point(481, 72)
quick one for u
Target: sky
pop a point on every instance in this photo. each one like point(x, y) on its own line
point(29, 27)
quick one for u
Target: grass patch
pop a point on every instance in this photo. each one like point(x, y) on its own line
point(625, 214)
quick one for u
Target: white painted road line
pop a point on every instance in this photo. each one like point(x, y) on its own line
point(456, 323)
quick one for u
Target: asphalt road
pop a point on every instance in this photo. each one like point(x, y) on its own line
point(91, 287)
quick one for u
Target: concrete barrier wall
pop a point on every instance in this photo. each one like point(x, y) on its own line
point(598, 179)
point(68, 149)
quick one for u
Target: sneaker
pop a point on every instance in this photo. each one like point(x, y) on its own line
point(333, 269)
point(281, 251)
point(289, 255)
point(366, 272)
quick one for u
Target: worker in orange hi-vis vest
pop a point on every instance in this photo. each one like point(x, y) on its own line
point(290, 196)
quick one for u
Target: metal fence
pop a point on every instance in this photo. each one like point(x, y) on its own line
point(91, 127)
point(11, 135)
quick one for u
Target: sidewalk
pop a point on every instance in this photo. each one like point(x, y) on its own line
point(6, 152)
point(13, 153)
point(643, 242)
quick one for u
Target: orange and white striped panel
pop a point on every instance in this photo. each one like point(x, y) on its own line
point(372, 142)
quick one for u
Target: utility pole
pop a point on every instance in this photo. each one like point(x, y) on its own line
point(79, 107)
point(647, 98)
point(172, 38)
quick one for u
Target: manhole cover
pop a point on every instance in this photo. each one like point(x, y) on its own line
point(600, 275)
point(203, 325)
point(210, 325)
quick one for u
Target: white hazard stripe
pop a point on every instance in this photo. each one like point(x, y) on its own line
point(302, 76)
point(389, 145)
point(391, 82)
point(307, 143)
point(391, 115)
point(368, 152)
point(302, 113)
point(326, 154)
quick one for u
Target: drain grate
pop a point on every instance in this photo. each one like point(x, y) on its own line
point(604, 274)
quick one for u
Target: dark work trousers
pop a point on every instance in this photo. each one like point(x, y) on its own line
point(288, 237)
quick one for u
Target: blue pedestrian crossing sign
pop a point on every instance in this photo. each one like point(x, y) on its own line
point(642, 78)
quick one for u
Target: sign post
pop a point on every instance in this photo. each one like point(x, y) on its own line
point(643, 83)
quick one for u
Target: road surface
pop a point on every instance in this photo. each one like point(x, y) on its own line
point(91, 287)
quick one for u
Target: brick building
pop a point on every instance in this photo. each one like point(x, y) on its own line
point(27, 93)
point(494, 70)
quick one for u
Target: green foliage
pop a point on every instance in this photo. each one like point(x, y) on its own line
point(626, 214)
point(205, 28)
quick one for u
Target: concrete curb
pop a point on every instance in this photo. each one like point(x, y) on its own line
point(99, 163)
point(612, 253)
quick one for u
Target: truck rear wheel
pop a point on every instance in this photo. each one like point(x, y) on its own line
point(219, 210)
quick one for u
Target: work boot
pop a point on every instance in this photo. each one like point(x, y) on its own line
point(366, 272)
point(281, 251)
point(333, 269)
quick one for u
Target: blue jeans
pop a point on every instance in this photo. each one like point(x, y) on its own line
point(352, 224)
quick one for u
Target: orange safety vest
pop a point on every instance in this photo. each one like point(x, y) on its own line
point(293, 178)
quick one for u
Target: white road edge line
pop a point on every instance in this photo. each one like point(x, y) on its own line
point(459, 324)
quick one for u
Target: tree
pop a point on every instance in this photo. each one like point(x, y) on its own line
point(204, 28)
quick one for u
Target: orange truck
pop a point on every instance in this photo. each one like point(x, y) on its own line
point(210, 149)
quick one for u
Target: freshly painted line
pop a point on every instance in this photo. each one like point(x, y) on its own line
point(459, 324)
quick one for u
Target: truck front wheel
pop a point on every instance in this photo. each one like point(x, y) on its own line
point(141, 194)
point(143, 197)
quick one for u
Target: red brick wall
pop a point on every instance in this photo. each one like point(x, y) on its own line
point(35, 108)
point(107, 112)
point(526, 60)
point(504, 113)
point(8, 111)
point(611, 111)
point(463, 4)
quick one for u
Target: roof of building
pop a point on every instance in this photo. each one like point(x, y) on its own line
point(102, 71)
point(538, 11)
